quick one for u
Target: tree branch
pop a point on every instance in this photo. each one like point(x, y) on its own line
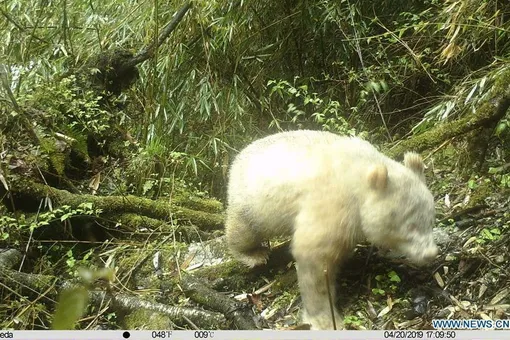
point(148, 51)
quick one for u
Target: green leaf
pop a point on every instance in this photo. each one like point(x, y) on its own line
point(86, 205)
point(148, 185)
point(502, 127)
point(65, 217)
point(486, 234)
point(472, 184)
point(71, 306)
point(378, 291)
point(393, 276)
point(495, 231)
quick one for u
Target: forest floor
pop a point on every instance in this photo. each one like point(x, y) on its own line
point(470, 279)
point(170, 274)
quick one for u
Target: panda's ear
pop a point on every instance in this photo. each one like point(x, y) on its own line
point(414, 162)
point(378, 177)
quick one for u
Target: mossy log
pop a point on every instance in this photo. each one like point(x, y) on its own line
point(487, 115)
point(240, 314)
point(137, 224)
point(179, 315)
point(110, 205)
point(48, 287)
point(10, 258)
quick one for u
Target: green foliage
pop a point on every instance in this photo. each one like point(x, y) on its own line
point(205, 94)
point(472, 184)
point(7, 224)
point(63, 116)
point(386, 284)
point(378, 291)
point(56, 157)
point(70, 260)
point(393, 276)
point(79, 139)
point(235, 70)
point(500, 174)
point(469, 94)
point(505, 180)
point(22, 224)
point(72, 302)
point(154, 166)
point(488, 235)
point(67, 105)
point(71, 306)
point(303, 107)
point(65, 212)
point(352, 320)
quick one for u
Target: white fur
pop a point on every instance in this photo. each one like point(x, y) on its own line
point(327, 192)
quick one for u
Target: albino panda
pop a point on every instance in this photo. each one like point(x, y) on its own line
point(327, 192)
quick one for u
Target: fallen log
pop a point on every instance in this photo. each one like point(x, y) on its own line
point(47, 287)
point(159, 209)
point(239, 313)
point(487, 115)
